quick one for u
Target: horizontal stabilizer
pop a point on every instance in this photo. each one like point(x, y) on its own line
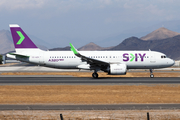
point(19, 55)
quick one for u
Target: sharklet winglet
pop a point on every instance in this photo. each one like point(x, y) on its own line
point(73, 49)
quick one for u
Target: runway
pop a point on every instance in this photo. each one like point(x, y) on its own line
point(86, 80)
point(93, 107)
point(60, 80)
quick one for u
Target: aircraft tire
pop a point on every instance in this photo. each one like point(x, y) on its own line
point(95, 75)
point(151, 76)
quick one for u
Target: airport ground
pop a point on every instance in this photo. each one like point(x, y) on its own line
point(90, 115)
point(136, 88)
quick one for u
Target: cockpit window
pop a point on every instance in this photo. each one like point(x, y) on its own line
point(163, 56)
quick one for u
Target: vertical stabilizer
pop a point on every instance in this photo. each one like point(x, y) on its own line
point(21, 40)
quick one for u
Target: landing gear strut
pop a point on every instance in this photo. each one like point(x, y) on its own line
point(151, 73)
point(95, 75)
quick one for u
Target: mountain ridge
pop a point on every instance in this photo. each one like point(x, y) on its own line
point(168, 46)
point(159, 34)
point(6, 42)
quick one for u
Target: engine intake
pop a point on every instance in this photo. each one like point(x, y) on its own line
point(117, 69)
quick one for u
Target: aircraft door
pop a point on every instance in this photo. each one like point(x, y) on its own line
point(41, 59)
point(152, 57)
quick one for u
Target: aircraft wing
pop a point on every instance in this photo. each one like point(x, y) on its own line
point(90, 61)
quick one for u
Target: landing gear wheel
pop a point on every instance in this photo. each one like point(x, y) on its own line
point(151, 73)
point(151, 76)
point(95, 75)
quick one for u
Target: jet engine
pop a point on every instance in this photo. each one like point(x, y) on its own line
point(117, 69)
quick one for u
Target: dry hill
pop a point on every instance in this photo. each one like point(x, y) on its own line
point(159, 34)
point(6, 43)
point(90, 46)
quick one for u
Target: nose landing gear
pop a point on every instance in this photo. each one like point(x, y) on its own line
point(151, 73)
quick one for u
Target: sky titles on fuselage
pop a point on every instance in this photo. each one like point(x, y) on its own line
point(134, 57)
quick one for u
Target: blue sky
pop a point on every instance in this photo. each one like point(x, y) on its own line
point(60, 22)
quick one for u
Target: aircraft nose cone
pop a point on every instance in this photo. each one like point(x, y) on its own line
point(172, 62)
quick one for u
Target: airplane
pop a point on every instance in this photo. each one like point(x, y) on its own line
point(111, 62)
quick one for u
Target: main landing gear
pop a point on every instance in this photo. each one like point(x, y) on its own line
point(151, 73)
point(95, 75)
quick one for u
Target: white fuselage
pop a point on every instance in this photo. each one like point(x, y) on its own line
point(67, 59)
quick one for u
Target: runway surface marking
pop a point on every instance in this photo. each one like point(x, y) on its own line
point(92, 107)
point(87, 80)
